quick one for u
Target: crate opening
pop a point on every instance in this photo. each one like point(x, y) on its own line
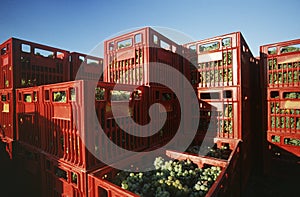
point(227, 94)
point(292, 141)
point(47, 95)
point(59, 96)
point(209, 47)
point(3, 97)
point(226, 42)
point(210, 95)
point(275, 138)
point(3, 50)
point(137, 38)
point(102, 192)
point(74, 178)
point(274, 94)
point(60, 173)
point(192, 48)
point(291, 95)
point(27, 98)
point(272, 50)
point(125, 43)
point(26, 48)
point(290, 48)
point(43, 53)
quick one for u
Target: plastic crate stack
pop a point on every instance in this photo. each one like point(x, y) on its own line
point(225, 75)
point(27, 123)
point(281, 64)
point(25, 64)
point(147, 58)
point(128, 57)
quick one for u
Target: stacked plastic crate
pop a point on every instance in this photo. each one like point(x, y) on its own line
point(281, 64)
point(226, 76)
point(145, 57)
point(85, 67)
point(77, 128)
point(25, 64)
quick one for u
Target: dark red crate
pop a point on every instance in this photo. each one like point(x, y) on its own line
point(7, 114)
point(84, 66)
point(27, 174)
point(281, 63)
point(281, 160)
point(224, 60)
point(62, 179)
point(25, 63)
point(247, 159)
point(138, 58)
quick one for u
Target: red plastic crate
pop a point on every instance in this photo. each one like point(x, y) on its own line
point(99, 184)
point(284, 110)
point(281, 63)
point(287, 143)
point(169, 101)
point(58, 124)
point(62, 179)
point(283, 128)
point(224, 60)
point(49, 124)
point(25, 63)
point(7, 114)
point(233, 111)
point(85, 67)
point(130, 58)
point(28, 115)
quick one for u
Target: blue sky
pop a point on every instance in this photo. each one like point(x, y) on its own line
point(80, 25)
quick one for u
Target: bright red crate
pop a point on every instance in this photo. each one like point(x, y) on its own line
point(281, 63)
point(233, 111)
point(99, 181)
point(7, 114)
point(130, 58)
point(283, 110)
point(84, 66)
point(283, 128)
point(224, 60)
point(57, 118)
point(61, 179)
point(28, 115)
point(67, 117)
point(25, 63)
